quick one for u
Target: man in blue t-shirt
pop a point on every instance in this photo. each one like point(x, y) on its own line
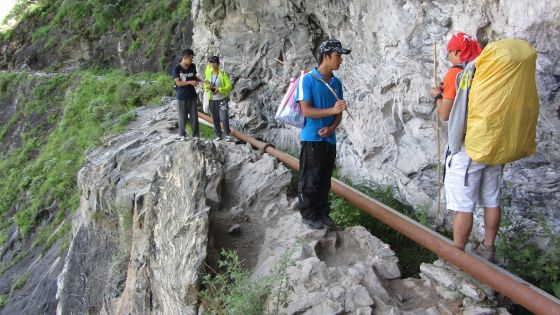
point(323, 113)
point(186, 79)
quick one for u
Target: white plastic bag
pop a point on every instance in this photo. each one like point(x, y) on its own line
point(289, 111)
point(206, 102)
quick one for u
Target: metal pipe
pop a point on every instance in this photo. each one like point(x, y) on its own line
point(515, 288)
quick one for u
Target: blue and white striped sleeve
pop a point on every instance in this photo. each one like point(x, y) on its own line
point(303, 90)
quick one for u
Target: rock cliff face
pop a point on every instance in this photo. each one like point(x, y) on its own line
point(154, 210)
point(386, 79)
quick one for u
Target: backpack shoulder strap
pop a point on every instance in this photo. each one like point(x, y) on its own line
point(326, 84)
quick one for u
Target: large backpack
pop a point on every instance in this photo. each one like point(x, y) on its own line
point(503, 104)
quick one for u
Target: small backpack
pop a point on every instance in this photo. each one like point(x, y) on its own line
point(503, 107)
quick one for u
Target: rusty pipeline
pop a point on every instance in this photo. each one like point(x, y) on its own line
point(508, 284)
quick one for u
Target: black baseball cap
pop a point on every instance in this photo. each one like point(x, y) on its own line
point(333, 45)
point(215, 59)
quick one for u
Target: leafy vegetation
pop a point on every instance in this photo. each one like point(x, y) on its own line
point(143, 21)
point(520, 251)
point(232, 291)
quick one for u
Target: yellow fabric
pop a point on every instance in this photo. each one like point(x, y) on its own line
point(503, 105)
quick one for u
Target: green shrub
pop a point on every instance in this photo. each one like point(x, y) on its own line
point(3, 300)
point(518, 247)
point(134, 46)
point(232, 291)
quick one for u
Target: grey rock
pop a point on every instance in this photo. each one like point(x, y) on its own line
point(503, 311)
point(479, 311)
point(142, 226)
point(362, 311)
point(440, 275)
point(430, 311)
point(447, 294)
point(471, 291)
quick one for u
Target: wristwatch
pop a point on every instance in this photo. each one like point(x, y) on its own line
point(438, 97)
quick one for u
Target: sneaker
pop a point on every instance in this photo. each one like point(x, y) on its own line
point(326, 220)
point(218, 139)
point(486, 252)
point(181, 138)
point(228, 139)
point(314, 224)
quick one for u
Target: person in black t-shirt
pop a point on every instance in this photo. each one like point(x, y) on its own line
point(186, 79)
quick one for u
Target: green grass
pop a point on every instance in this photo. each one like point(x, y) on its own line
point(134, 46)
point(3, 267)
point(43, 170)
point(518, 247)
point(20, 282)
point(148, 22)
point(3, 300)
point(40, 33)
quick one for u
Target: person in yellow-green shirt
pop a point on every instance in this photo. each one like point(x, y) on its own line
point(218, 90)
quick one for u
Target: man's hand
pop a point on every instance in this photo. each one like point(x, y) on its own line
point(325, 131)
point(339, 107)
point(437, 90)
point(193, 82)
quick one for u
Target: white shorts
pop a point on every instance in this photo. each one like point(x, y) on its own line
point(469, 184)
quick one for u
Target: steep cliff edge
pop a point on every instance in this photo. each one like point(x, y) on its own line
point(154, 210)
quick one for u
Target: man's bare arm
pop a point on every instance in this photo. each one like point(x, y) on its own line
point(312, 112)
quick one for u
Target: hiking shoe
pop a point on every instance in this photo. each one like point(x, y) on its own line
point(181, 138)
point(314, 224)
point(228, 139)
point(326, 220)
point(486, 252)
point(218, 139)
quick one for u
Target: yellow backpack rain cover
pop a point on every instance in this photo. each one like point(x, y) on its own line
point(503, 105)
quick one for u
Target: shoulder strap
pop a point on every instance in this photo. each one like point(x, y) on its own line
point(326, 84)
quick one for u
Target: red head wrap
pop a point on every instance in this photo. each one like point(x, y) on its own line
point(466, 44)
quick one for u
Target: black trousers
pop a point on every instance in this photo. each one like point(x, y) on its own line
point(187, 110)
point(220, 112)
point(316, 164)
